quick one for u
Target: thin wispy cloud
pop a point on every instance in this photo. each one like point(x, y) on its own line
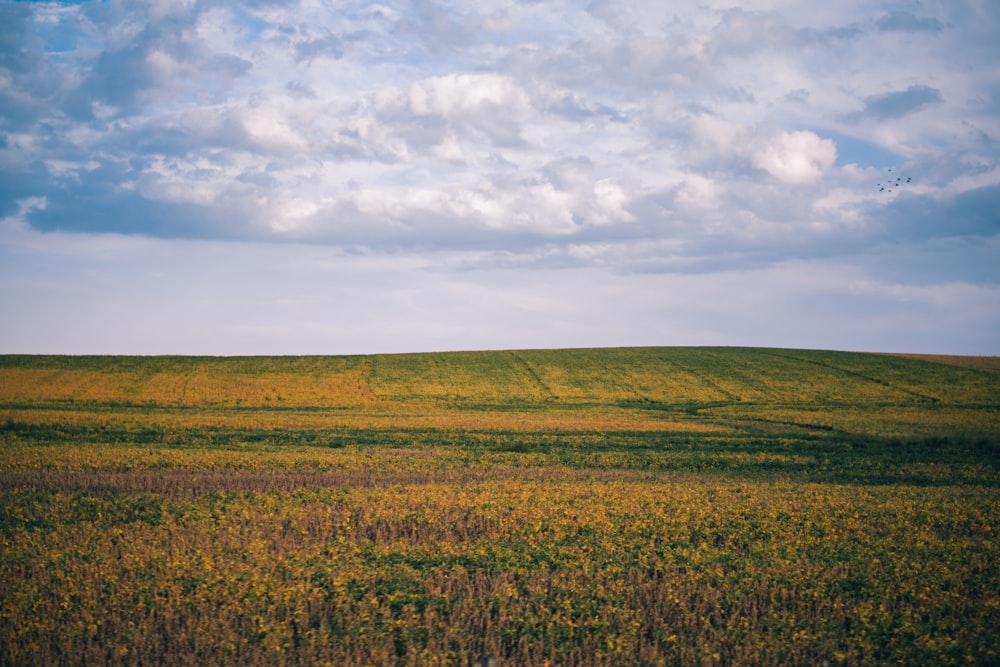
point(486, 142)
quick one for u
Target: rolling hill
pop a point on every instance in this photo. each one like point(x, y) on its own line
point(609, 389)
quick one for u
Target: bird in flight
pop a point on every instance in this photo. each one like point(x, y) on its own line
point(890, 183)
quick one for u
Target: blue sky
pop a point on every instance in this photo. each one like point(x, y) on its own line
point(257, 177)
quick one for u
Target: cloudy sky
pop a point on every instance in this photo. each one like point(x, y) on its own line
point(326, 177)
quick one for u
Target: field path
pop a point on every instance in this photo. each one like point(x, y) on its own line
point(530, 370)
point(853, 374)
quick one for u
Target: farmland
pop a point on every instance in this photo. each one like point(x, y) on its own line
point(571, 507)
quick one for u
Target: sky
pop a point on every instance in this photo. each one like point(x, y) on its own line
point(322, 177)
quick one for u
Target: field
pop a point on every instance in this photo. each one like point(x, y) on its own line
point(654, 506)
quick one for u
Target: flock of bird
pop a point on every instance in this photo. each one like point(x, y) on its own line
point(890, 184)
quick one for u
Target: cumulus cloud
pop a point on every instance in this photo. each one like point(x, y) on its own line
point(796, 157)
point(153, 55)
point(203, 105)
point(485, 104)
point(270, 129)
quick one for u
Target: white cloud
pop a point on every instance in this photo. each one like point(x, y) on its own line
point(698, 192)
point(450, 150)
point(464, 93)
point(270, 129)
point(714, 134)
point(202, 180)
point(17, 223)
point(69, 169)
point(611, 202)
point(796, 157)
point(474, 107)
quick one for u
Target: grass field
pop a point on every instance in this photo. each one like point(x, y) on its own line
point(667, 506)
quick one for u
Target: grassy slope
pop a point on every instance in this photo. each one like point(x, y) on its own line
point(610, 389)
point(606, 376)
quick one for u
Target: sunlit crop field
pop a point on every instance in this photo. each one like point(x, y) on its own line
point(656, 506)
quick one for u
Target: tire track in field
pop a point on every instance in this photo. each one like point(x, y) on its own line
point(365, 370)
point(545, 388)
point(850, 373)
point(184, 386)
point(712, 384)
point(369, 375)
